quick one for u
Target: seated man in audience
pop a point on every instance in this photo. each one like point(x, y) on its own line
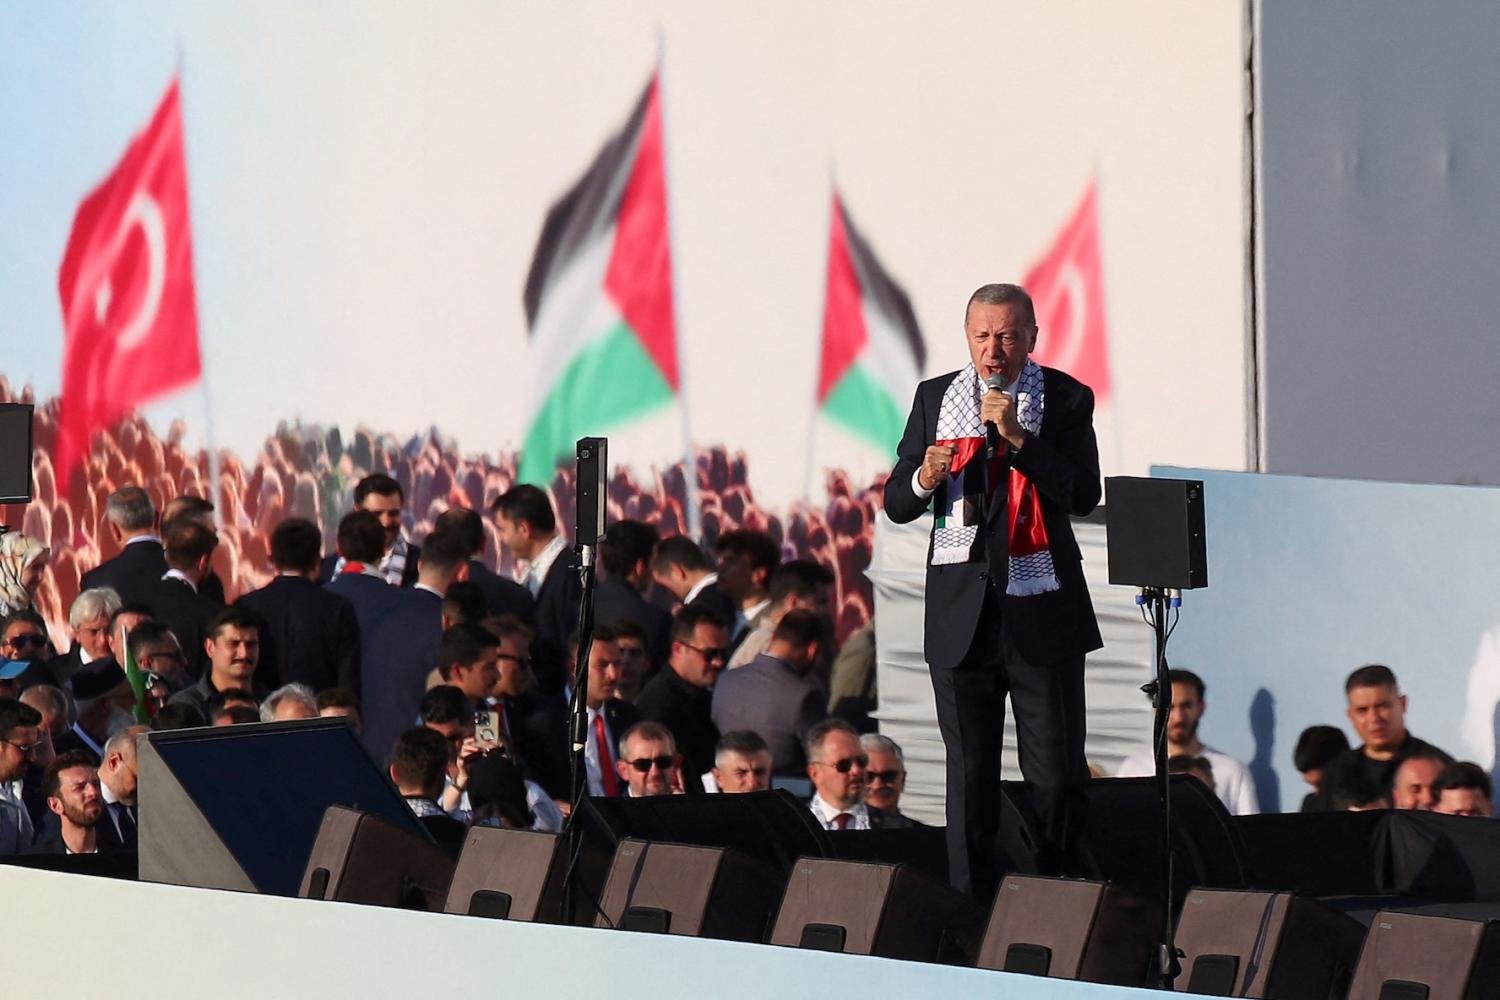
point(71, 784)
point(396, 562)
point(290, 701)
point(635, 657)
point(418, 761)
point(680, 697)
point(1198, 767)
point(20, 738)
point(680, 568)
point(23, 640)
point(235, 714)
point(88, 624)
point(233, 651)
point(56, 709)
point(625, 552)
point(649, 763)
point(178, 600)
point(885, 778)
point(1377, 708)
point(608, 716)
point(836, 764)
point(776, 695)
point(1316, 747)
point(1463, 789)
point(799, 585)
point(1231, 779)
point(1414, 785)
point(742, 762)
point(341, 703)
point(117, 787)
point(103, 699)
point(1358, 794)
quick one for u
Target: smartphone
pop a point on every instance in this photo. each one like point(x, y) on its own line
point(486, 728)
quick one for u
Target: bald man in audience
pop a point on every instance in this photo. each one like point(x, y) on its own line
point(117, 787)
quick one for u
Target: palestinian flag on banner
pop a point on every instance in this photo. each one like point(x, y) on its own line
point(872, 349)
point(599, 299)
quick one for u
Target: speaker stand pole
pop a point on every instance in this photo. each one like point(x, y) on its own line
point(1155, 600)
point(578, 722)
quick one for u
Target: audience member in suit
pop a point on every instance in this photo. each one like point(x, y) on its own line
point(681, 696)
point(649, 763)
point(836, 764)
point(418, 762)
point(233, 649)
point(175, 600)
point(536, 723)
point(103, 699)
point(747, 558)
point(359, 581)
point(403, 649)
point(626, 551)
point(776, 695)
point(742, 762)
point(501, 596)
point(800, 584)
point(20, 741)
point(311, 635)
point(71, 784)
point(88, 624)
point(117, 786)
point(635, 657)
point(343, 704)
point(885, 778)
point(23, 636)
point(187, 507)
point(157, 651)
point(681, 569)
point(399, 561)
point(523, 516)
point(132, 521)
point(608, 716)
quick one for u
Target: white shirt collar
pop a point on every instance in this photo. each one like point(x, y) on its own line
point(700, 586)
point(755, 609)
point(430, 590)
point(177, 574)
point(143, 538)
point(107, 793)
point(537, 571)
point(825, 812)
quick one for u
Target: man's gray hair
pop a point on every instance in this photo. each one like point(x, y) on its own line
point(812, 743)
point(96, 602)
point(293, 691)
point(58, 703)
point(129, 508)
point(875, 743)
point(1002, 295)
point(123, 740)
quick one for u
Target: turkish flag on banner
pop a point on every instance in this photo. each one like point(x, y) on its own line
point(129, 318)
point(1067, 288)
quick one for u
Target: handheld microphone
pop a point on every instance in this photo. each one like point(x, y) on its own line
point(995, 383)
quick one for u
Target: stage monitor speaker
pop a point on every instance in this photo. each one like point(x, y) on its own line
point(15, 452)
point(890, 911)
point(1265, 944)
point(1156, 535)
point(361, 858)
point(1317, 853)
point(509, 875)
point(1125, 847)
point(1071, 929)
point(1410, 957)
point(239, 807)
point(592, 479)
point(706, 892)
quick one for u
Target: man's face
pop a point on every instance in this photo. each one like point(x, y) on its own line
point(93, 636)
point(661, 761)
point(701, 661)
point(1464, 802)
point(18, 749)
point(78, 799)
point(1379, 716)
point(123, 777)
point(164, 658)
point(512, 665)
point(743, 772)
point(1000, 339)
point(885, 780)
point(388, 509)
point(25, 641)
point(632, 666)
point(838, 772)
point(234, 653)
point(1187, 709)
point(476, 680)
point(604, 672)
point(515, 535)
point(1412, 786)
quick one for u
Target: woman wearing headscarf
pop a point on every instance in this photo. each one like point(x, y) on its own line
point(22, 561)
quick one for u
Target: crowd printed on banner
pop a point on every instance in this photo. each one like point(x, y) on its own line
point(310, 472)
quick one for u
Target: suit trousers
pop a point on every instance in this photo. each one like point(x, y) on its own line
point(1048, 704)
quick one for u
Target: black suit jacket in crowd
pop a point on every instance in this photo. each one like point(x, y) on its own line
point(616, 601)
point(537, 726)
point(398, 656)
point(311, 635)
point(502, 596)
point(556, 620)
point(687, 710)
point(714, 599)
point(174, 604)
point(1063, 462)
point(138, 565)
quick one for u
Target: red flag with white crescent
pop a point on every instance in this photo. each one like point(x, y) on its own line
point(1067, 289)
point(129, 317)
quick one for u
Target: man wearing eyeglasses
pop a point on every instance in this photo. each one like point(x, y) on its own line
point(1003, 452)
point(649, 763)
point(681, 696)
point(536, 723)
point(885, 777)
point(19, 742)
point(839, 768)
point(25, 641)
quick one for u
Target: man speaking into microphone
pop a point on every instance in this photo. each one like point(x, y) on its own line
point(1003, 452)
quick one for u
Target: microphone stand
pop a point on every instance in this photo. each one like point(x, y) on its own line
point(1154, 602)
point(578, 723)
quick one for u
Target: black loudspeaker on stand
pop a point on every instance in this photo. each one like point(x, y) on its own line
point(1157, 543)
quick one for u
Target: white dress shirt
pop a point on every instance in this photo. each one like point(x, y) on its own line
point(537, 571)
point(825, 813)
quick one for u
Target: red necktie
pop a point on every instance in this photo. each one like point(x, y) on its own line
point(607, 776)
point(842, 821)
